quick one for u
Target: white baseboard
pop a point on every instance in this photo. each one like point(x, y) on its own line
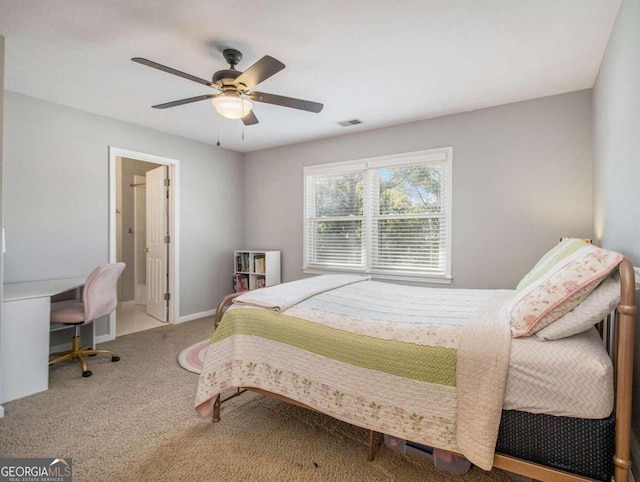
point(195, 316)
point(104, 339)
point(1, 411)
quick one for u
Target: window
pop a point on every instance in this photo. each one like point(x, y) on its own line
point(388, 216)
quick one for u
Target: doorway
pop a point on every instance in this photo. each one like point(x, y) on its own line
point(143, 222)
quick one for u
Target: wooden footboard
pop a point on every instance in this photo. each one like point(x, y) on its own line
point(618, 334)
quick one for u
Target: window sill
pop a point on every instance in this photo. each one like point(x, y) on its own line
point(445, 280)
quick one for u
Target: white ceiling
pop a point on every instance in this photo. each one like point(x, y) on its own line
point(382, 62)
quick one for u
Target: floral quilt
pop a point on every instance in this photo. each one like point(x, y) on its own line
point(377, 355)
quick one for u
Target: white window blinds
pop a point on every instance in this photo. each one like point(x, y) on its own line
point(335, 220)
point(408, 232)
point(387, 216)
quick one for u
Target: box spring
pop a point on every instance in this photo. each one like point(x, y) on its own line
point(580, 446)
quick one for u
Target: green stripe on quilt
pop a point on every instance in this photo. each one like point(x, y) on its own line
point(418, 362)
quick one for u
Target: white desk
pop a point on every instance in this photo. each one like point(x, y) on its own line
point(24, 341)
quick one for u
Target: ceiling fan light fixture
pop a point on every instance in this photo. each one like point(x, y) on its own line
point(231, 105)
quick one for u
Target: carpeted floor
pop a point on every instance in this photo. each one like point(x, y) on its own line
point(134, 421)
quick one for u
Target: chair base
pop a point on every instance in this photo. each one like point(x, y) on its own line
point(77, 353)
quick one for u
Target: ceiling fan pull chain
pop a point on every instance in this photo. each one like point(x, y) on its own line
point(218, 143)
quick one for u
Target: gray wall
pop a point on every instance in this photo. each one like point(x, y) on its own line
point(56, 197)
point(616, 119)
point(522, 178)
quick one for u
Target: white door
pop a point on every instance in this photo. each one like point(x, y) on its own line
point(157, 242)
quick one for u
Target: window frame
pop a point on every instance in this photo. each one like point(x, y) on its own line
point(367, 166)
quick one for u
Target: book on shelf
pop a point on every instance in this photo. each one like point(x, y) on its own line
point(240, 283)
point(258, 264)
point(242, 262)
point(260, 283)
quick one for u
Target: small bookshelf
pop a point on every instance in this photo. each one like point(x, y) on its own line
point(255, 269)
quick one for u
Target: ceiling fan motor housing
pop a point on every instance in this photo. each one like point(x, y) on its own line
point(227, 76)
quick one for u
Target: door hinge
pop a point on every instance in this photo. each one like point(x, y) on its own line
point(167, 239)
point(167, 182)
point(167, 296)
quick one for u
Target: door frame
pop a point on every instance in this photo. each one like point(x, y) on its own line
point(174, 227)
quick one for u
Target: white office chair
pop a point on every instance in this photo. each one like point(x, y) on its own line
point(99, 298)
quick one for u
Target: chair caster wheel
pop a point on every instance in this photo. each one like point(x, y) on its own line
point(90, 348)
point(86, 374)
point(115, 358)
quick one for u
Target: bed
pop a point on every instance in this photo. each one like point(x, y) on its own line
point(465, 371)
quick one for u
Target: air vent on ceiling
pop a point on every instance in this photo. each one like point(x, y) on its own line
point(350, 122)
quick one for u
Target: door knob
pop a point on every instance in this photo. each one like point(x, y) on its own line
point(146, 250)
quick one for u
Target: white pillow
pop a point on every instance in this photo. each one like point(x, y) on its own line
point(593, 309)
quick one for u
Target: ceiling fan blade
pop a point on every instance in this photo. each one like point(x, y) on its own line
point(258, 72)
point(183, 101)
point(164, 68)
point(286, 101)
point(250, 119)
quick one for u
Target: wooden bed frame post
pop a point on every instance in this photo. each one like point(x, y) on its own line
point(624, 333)
point(216, 410)
point(221, 307)
point(371, 452)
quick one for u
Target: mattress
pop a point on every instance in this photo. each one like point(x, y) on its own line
point(571, 377)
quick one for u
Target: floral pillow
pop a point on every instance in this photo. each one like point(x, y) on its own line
point(558, 283)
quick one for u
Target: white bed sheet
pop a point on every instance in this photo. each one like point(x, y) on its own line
point(571, 377)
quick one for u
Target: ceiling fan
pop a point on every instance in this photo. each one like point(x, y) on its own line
point(234, 97)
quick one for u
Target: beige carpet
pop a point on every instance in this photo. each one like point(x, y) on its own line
point(134, 421)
